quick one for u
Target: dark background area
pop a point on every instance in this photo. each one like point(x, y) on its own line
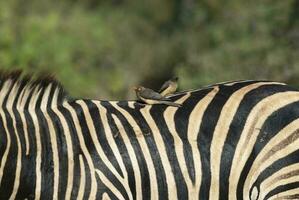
point(100, 49)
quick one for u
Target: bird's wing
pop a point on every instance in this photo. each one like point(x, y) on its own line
point(150, 94)
point(164, 86)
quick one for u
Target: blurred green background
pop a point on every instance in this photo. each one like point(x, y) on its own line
point(100, 49)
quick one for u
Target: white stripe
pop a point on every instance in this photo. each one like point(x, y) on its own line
point(130, 104)
point(145, 149)
point(53, 140)
point(178, 146)
point(170, 181)
point(86, 154)
point(3, 93)
point(254, 194)
point(32, 113)
point(69, 146)
point(82, 179)
point(194, 124)
point(9, 105)
point(20, 106)
point(105, 196)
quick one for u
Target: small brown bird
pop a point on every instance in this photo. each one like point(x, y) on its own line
point(169, 87)
point(149, 96)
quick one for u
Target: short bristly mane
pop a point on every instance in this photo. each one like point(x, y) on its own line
point(17, 90)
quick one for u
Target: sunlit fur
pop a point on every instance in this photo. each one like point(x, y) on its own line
point(234, 140)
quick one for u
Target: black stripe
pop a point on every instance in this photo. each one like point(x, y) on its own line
point(283, 188)
point(86, 170)
point(3, 141)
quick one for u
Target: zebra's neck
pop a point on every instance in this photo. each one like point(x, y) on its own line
point(22, 93)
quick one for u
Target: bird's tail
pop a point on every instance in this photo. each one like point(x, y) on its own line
point(169, 103)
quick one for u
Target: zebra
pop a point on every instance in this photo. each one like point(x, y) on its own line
point(233, 140)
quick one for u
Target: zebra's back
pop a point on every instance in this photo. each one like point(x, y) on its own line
point(236, 140)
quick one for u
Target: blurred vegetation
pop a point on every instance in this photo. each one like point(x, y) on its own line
point(100, 49)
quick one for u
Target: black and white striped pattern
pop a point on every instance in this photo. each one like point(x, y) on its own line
point(235, 140)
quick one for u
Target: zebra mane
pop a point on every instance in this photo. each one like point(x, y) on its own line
point(17, 90)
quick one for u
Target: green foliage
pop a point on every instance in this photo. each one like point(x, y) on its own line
point(100, 49)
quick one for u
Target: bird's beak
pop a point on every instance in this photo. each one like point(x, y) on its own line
point(134, 88)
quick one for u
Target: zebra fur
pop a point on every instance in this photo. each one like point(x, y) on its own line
point(234, 140)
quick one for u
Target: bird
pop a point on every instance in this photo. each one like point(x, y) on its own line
point(149, 96)
point(169, 87)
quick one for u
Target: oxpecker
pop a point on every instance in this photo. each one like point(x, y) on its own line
point(169, 87)
point(149, 96)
